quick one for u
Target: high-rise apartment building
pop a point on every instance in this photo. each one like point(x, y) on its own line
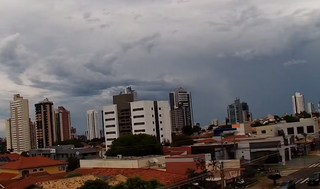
point(20, 129)
point(33, 134)
point(298, 103)
point(45, 124)
point(238, 112)
point(181, 109)
point(63, 124)
point(148, 117)
point(215, 122)
point(311, 108)
point(8, 134)
point(74, 133)
point(93, 124)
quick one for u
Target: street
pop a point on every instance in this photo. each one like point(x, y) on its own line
point(301, 176)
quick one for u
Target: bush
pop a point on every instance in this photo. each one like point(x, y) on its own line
point(74, 175)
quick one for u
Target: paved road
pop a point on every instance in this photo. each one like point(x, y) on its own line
point(301, 176)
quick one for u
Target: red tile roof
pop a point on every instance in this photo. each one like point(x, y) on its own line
point(23, 183)
point(145, 174)
point(13, 156)
point(31, 162)
point(6, 176)
point(207, 141)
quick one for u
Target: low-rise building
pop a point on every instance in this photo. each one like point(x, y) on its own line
point(33, 165)
point(63, 152)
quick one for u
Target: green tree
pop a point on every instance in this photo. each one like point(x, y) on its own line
point(138, 183)
point(77, 143)
point(95, 184)
point(196, 129)
point(180, 140)
point(73, 163)
point(290, 119)
point(191, 173)
point(135, 145)
point(25, 154)
point(187, 130)
point(274, 177)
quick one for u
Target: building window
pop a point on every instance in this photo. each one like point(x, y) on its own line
point(159, 115)
point(108, 126)
point(263, 131)
point(106, 113)
point(110, 119)
point(137, 109)
point(159, 108)
point(310, 129)
point(152, 115)
point(290, 131)
point(139, 123)
point(111, 139)
point(161, 135)
point(300, 130)
point(111, 132)
point(35, 170)
point(62, 168)
point(161, 129)
point(153, 122)
point(138, 116)
point(41, 169)
point(151, 108)
point(153, 129)
point(139, 131)
point(160, 122)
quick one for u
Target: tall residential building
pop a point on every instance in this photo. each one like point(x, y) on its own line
point(181, 109)
point(33, 134)
point(63, 124)
point(310, 107)
point(20, 129)
point(148, 117)
point(8, 134)
point(238, 112)
point(74, 133)
point(93, 124)
point(298, 103)
point(45, 124)
point(215, 122)
point(121, 103)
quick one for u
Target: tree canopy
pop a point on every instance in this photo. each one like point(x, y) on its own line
point(290, 119)
point(180, 140)
point(135, 145)
point(77, 143)
point(189, 130)
point(95, 184)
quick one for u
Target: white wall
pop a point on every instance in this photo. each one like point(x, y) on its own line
point(110, 125)
point(166, 120)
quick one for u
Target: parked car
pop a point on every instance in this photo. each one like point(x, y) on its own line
point(314, 179)
point(288, 184)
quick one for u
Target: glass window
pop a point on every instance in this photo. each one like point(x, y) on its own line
point(62, 168)
point(35, 170)
point(263, 132)
point(160, 122)
point(300, 130)
point(290, 131)
point(310, 129)
point(41, 169)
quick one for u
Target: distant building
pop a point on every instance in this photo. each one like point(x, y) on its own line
point(298, 103)
point(181, 109)
point(149, 117)
point(93, 124)
point(33, 135)
point(74, 133)
point(311, 108)
point(63, 124)
point(239, 112)
point(8, 134)
point(63, 152)
point(215, 122)
point(46, 124)
point(19, 131)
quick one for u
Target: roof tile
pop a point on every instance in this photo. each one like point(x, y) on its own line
point(31, 162)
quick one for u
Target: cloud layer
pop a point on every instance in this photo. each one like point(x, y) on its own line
point(78, 53)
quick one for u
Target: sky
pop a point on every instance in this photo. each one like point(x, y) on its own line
point(79, 53)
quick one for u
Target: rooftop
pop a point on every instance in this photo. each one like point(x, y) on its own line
point(13, 156)
point(31, 162)
point(145, 174)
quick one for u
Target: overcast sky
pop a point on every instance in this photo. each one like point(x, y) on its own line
point(78, 53)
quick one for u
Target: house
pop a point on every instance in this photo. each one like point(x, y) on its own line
point(26, 166)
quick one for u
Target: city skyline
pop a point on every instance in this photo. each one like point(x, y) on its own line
point(225, 54)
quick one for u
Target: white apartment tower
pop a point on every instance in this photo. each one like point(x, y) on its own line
point(311, 108)
point(148, 117)
point(19, 124)
point(298, 103)
point(8, 134)
point(93, 124)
